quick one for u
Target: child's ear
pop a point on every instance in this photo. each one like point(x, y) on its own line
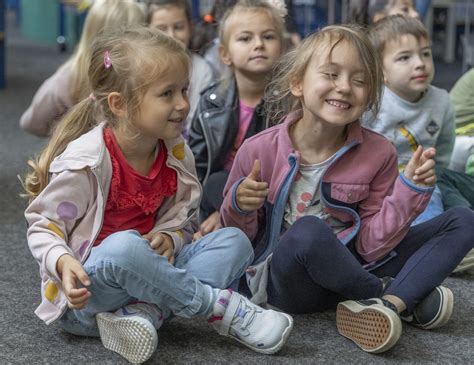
point(116, 104)
point(225, 57)
point(296, 87)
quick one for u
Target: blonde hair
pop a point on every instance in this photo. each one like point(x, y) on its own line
point(103, 16)
point(138, 57)
point(279, 101)
point(392, 28)
point(249, 6)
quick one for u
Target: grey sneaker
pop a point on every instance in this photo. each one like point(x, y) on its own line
point(372, 324)
point(131, 331)
point(261, 330)
point(433, 311)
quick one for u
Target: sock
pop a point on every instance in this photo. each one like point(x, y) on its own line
point(220, 305)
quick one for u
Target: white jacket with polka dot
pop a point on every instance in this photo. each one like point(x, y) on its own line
point(67, 216)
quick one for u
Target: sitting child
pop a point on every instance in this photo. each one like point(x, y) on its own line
point(413, 112)
point(114, 202)
point(174, 18)
point(251, 36)
point(328, 212)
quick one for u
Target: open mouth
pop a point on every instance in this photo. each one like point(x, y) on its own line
point(175, 120)
point(339, 104)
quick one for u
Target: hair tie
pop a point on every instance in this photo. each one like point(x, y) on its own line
point(107, 60)
point(92, 97)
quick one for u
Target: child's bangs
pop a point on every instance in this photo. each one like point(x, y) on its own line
point(158, 63)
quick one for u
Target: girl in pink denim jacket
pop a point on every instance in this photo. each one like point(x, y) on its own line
point(114, 206)
point(326, 209)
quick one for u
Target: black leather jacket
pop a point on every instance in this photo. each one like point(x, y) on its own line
point(215, 126)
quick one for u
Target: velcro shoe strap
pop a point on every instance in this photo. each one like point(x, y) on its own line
point(229, 314)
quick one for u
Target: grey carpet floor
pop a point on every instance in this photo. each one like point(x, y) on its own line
point(24, 339)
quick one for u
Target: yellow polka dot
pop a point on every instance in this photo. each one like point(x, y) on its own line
point(178, 151)
point(51, 292)
point(180, 234)
point(56, 230)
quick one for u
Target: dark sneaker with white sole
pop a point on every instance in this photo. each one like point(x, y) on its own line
point(433, 311)
point(372, 324)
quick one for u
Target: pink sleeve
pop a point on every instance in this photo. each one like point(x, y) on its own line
point(387, 213)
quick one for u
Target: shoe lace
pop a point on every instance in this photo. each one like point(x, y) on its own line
point(250, 312)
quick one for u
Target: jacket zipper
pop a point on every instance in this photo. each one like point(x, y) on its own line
point(355, 230)
point(209, 156)
point(281, 200)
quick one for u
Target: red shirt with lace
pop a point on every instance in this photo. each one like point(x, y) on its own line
point(134, 199)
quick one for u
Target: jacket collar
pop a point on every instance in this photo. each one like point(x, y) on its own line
point(219, 96)
point(85, 151)
point(354, 130)
point(89, 150)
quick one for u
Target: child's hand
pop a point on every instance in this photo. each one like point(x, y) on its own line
point(420, 169)
point(211, 224)
point(162, 244)
point(251, 193)
point(71, 271)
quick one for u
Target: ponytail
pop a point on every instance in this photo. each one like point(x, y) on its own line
point(80, 119)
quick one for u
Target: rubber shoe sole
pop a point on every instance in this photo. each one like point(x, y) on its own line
point(132, 337)
point(278, 346)
point(445, 311)
point(374, 329)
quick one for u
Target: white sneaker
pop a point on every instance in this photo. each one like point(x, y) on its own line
point(131, 331)
point(264, 331)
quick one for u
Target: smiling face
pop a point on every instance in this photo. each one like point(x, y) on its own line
point(408, 66)
point(165, 105)
point(333, 91)
point(253, 44)
point(172, 20)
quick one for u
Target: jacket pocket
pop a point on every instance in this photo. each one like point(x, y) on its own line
point(349, 193)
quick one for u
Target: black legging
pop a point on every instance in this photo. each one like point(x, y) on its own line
point(312, 271)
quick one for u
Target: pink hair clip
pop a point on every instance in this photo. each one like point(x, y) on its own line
point(107, 60)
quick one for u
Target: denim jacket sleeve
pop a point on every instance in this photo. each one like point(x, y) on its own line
point(386, 214)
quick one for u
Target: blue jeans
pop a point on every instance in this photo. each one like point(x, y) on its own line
point(433, 209)
point(124, 269)
point(312, 270)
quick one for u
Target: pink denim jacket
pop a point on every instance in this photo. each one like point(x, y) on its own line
point(361, 187)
